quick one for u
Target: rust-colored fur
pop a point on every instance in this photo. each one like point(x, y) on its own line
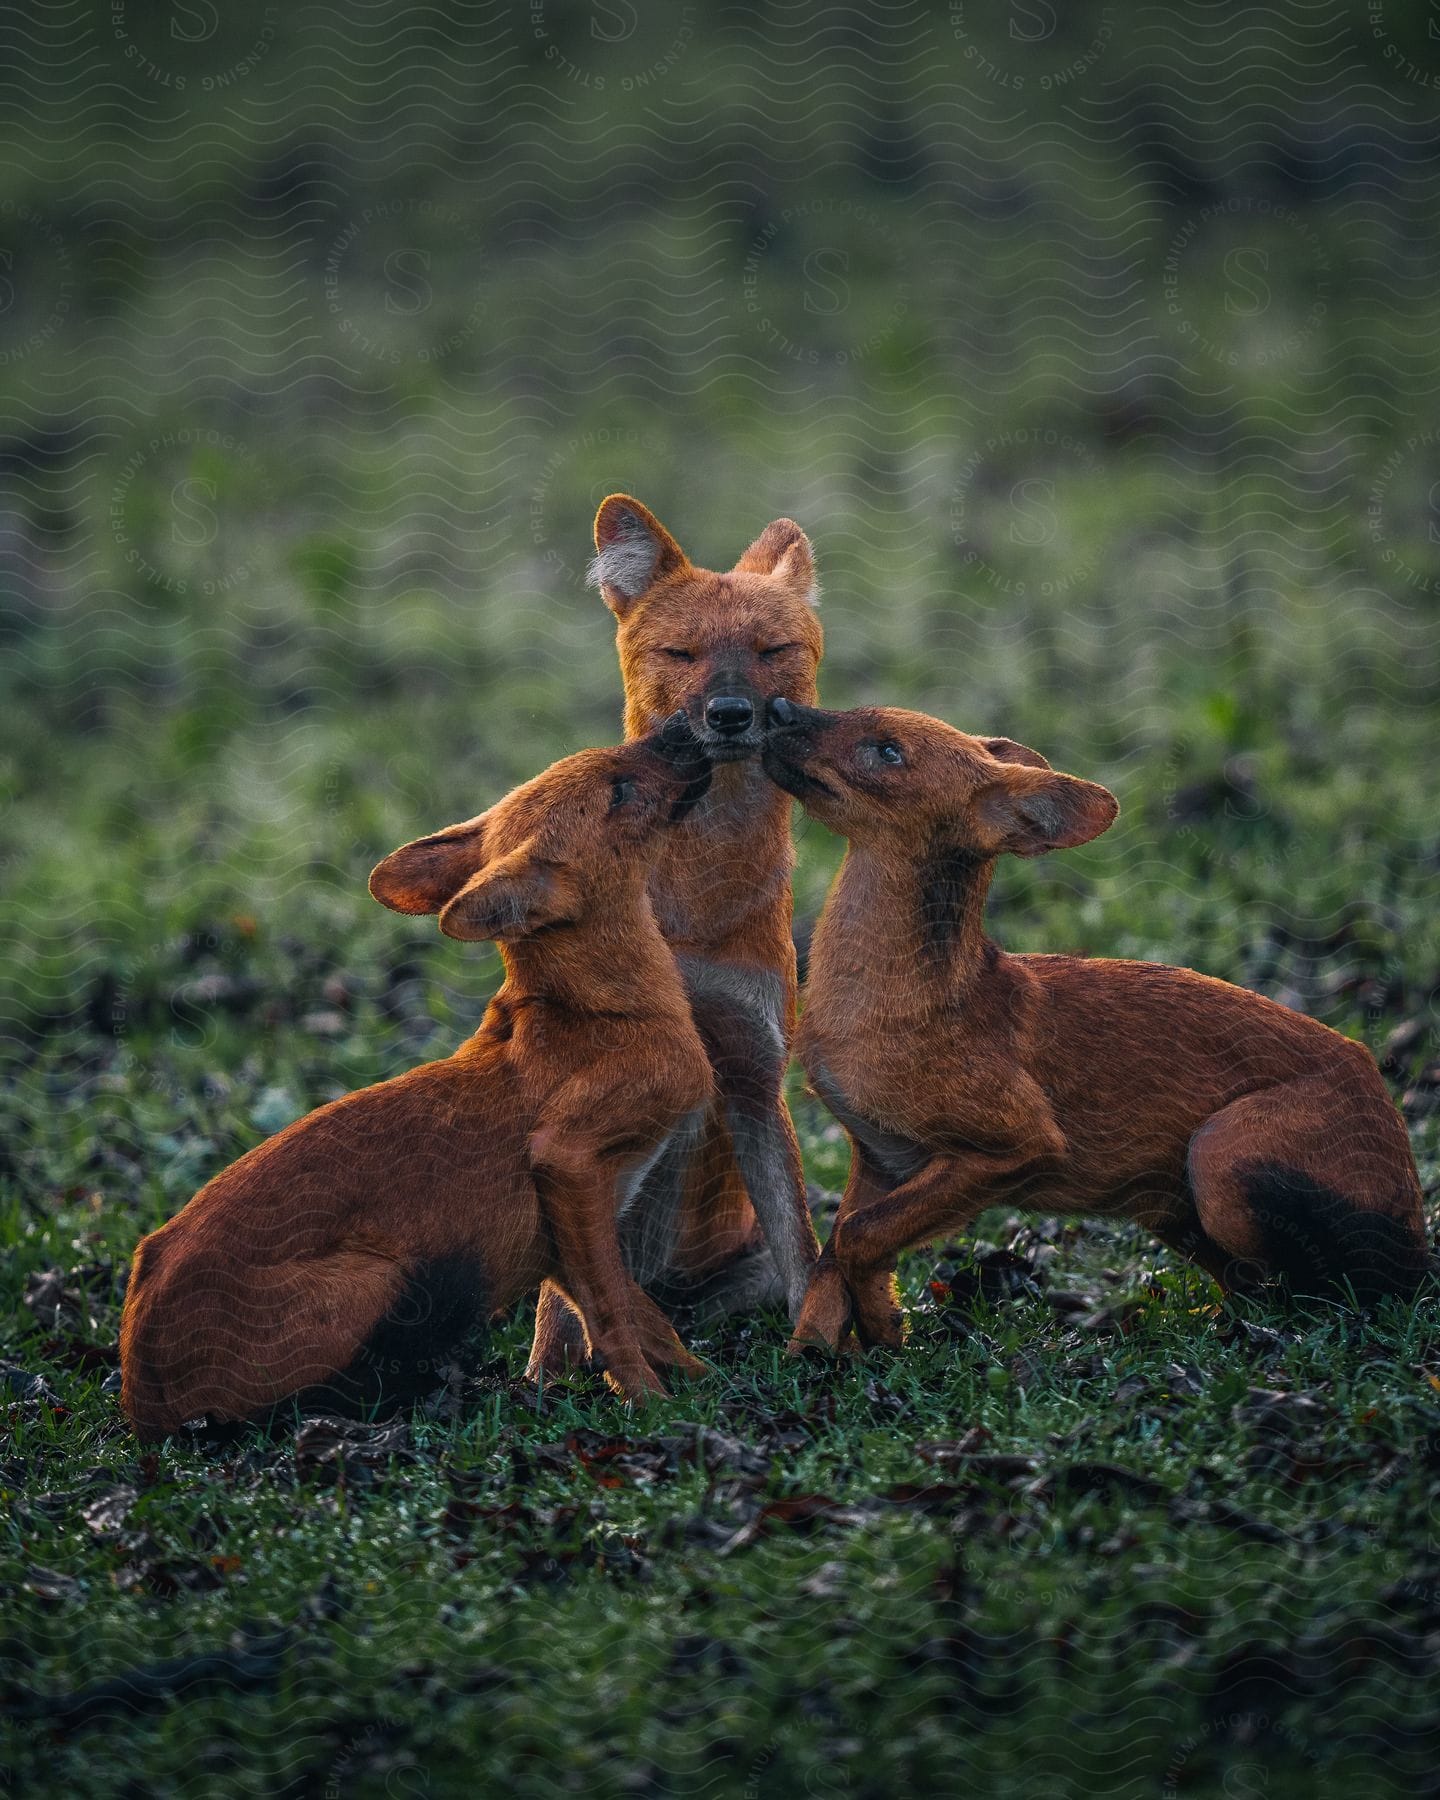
point(350, 1250)
point(1252, 1138)
point(720, 646)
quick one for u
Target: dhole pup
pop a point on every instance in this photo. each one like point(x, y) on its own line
point(338, 1259)
point(720, 646)
point(1246, 1135)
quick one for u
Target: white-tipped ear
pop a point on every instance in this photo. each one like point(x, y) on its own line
point(1035, 812)
point(633, 551)
point(783, 551)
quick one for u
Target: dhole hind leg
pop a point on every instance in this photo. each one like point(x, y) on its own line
point(1184, 1234)
point(561, 1337)
point(721, 1261)
point(249, 1338)
point(558, 1346)
point(1298, 1180)
point(768, 1152)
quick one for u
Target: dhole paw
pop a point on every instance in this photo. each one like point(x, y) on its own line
point(824, 1321)
point(557, 1363)
point(881, 1330)
point(847, 1344)
point(679, 1361)
point(878, 1319)
point(636, 1383)
point(659, 1343)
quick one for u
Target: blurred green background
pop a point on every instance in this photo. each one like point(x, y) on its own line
point(1094, 347)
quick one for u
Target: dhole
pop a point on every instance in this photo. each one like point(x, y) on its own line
point(340, 1257)
point(720, 647)
point(1247, 1136)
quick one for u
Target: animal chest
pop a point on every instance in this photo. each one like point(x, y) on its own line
point(891, 1147)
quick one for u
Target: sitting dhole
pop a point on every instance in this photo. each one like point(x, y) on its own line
point(1250, 1137)
point(719, 646)
point(337, 1260)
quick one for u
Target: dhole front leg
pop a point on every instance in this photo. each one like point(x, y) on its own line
point(747, 1053)
point(829, 1310)
point(658, 1337)
point(577, 1183)
point(647, 1242)
point(945, 1196)
point(768, 1152)
point(739, 1013)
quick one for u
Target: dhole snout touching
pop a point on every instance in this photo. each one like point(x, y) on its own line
point(720, 646)
point(338, 1260)
point(1251, 1138)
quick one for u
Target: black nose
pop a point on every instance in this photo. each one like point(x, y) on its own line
point(729, 713)
point(782, 711)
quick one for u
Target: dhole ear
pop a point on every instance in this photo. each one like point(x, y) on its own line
point(1036, 812)
point(783, 551)
point(421, 877)
point(512, 898)
point(1008, 751)
point(633, 551)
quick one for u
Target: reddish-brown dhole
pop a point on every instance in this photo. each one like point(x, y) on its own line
point(719, 646)
point(1250, 1137)
point(336, 1261)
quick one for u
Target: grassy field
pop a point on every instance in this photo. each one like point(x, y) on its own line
point(1100, 363)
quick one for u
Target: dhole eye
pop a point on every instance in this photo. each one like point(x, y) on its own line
point(776, 650)
point(620, 792)
point(891, 753)
point(679, 655)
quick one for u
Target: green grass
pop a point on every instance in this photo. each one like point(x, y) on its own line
point(789, 1576)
